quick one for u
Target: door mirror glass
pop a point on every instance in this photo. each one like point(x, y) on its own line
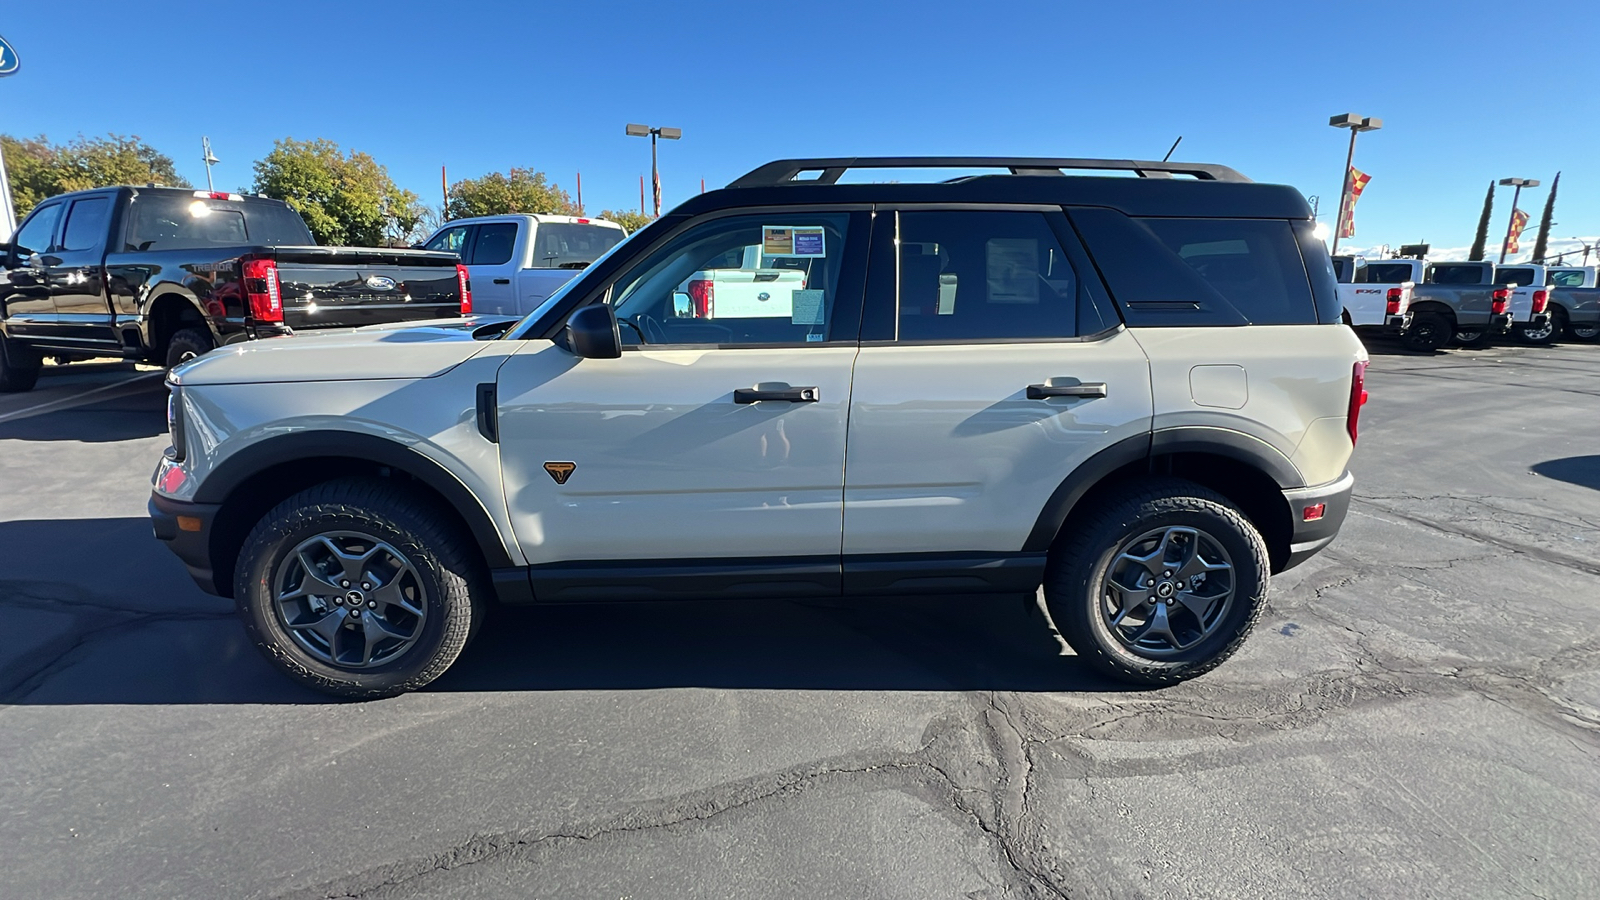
point(592, 332)
point(682, 306)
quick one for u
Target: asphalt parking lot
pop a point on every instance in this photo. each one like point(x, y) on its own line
point(1418, 714)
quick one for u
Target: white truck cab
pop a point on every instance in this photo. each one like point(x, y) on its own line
point(1530, 296)
point(516, 261)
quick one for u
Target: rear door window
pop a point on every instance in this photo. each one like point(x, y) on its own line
point(494, 244)
point(87, 223)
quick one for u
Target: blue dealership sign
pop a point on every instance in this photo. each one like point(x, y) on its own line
point(8, 58)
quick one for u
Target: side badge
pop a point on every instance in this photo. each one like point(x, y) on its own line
point(560, 471)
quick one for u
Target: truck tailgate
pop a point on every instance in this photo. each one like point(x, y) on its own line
point(341, 287)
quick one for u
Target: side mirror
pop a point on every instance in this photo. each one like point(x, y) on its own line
point(592, 332)
point(682, 305)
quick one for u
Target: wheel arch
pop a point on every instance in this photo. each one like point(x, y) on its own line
point(249, 483)
point(1250, 473)
point(171, 310)
point(1434, 306)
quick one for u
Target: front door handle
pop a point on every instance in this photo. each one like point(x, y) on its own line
point(1041, 391)
point(502, 281)
point(790, 394)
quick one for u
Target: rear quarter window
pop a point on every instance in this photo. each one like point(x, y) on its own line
point(1189, 271)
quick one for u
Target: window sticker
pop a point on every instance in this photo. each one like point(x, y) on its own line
point(802, 241)
point(806, 307)
point(1013, 270)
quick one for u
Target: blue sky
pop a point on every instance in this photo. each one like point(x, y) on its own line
point(1467, 94)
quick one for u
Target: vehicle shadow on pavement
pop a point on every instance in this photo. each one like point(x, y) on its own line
point(1583, 471)
point(138, 412)
point(96, 611)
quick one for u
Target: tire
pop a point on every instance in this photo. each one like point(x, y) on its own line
point(1095, 554)
point(1429, 331)
point(1588, 332)
point(186, 344)
point(1471, 338)
point(1553, 329)
point(19, 367)
point(375, 646)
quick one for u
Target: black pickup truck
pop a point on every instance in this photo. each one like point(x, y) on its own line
point(162, 275)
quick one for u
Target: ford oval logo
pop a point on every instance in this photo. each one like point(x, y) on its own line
point(763, 296)
point(380, 282)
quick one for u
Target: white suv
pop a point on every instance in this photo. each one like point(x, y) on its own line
point(1134, 391)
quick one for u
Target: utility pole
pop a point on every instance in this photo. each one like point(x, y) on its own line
point(1356, 124)
point(1519, 184)
point(209, 159)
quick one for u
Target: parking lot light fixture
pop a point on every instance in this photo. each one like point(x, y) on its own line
point(1519, 184)
point(1356, 124)
point(671, 134)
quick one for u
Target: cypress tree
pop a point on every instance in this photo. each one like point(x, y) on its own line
point(1483, 225)
point(1540, 245)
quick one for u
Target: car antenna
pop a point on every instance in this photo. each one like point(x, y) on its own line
point(1172, 148)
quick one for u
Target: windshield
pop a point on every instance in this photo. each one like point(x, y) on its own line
point(518, 333)
point(169, 220)
point(571, 245)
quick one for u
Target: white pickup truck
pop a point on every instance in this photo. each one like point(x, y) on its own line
point(1530, 294)
point(516, 261)
point(1376, 294)
point(746, 284)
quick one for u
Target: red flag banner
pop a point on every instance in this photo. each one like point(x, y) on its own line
point(1358, 183)
point(1519, 221)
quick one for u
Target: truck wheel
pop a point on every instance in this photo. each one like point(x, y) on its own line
point(1471, 338)
point(1161, 584)
point(186, 344)
point(1546, 334)
point(1428, 332)
point(356, 589)
point(1587, 332)
point(19, 367)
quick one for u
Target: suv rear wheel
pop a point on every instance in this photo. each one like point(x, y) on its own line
point(1161, 584)
point(356, 589)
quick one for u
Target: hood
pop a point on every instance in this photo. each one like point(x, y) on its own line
point(402, 350)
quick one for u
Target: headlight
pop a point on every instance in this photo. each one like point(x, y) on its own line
point(175, 421)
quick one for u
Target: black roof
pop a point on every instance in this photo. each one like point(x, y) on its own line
point(1203, 190)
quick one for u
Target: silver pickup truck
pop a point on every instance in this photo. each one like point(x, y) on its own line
point(516, 261)
point(1467, 302)
point(1575, 301)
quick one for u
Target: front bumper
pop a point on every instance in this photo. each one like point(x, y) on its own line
point(186, 529)
point(1309, 537)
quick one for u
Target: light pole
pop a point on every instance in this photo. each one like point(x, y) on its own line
point(1519, 184)
point(209, 159)
point(1586, 248)
point(1356, 124)
point(671, 134)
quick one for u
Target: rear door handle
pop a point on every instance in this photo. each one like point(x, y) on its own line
point(792, 395)
point(1091, 389)
point(502, 281)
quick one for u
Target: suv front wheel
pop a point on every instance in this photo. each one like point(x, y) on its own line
point(356, 589)
point(1161, 584)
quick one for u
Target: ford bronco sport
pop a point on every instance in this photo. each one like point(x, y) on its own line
point(1133, 391)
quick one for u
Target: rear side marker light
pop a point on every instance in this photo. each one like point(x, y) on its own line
point(1540, 299)
point(1358, 398)
point(188, 523)
point(464, 284)
point(1313, 513)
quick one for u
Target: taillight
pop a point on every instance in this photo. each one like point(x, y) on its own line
point(464, 285)
point(702, 295)
point(1358, 398)
point(1502, 299)
point(262, 292)
point(1540, 298)
point(1394, 301)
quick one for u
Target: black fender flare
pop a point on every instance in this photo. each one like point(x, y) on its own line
point(220, 483)
point(1223, 442)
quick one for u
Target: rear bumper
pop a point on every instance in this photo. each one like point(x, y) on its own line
point(1537, 321)
point(186, 530)
point(1500, 324)
point(1309, 537)
point(1396, 324)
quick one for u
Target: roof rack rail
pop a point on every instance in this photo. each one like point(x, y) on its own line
point(787, 171)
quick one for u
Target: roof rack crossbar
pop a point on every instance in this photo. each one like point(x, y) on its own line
point(788, 171)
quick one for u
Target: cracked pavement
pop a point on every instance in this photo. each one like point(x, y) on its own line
point(1417, 715)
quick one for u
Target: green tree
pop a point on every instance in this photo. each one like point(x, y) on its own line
point(1542, 243)
point(38, 169)
point(1483, 225)
point(345, 198)
point(499, 193)
point(629, 220)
